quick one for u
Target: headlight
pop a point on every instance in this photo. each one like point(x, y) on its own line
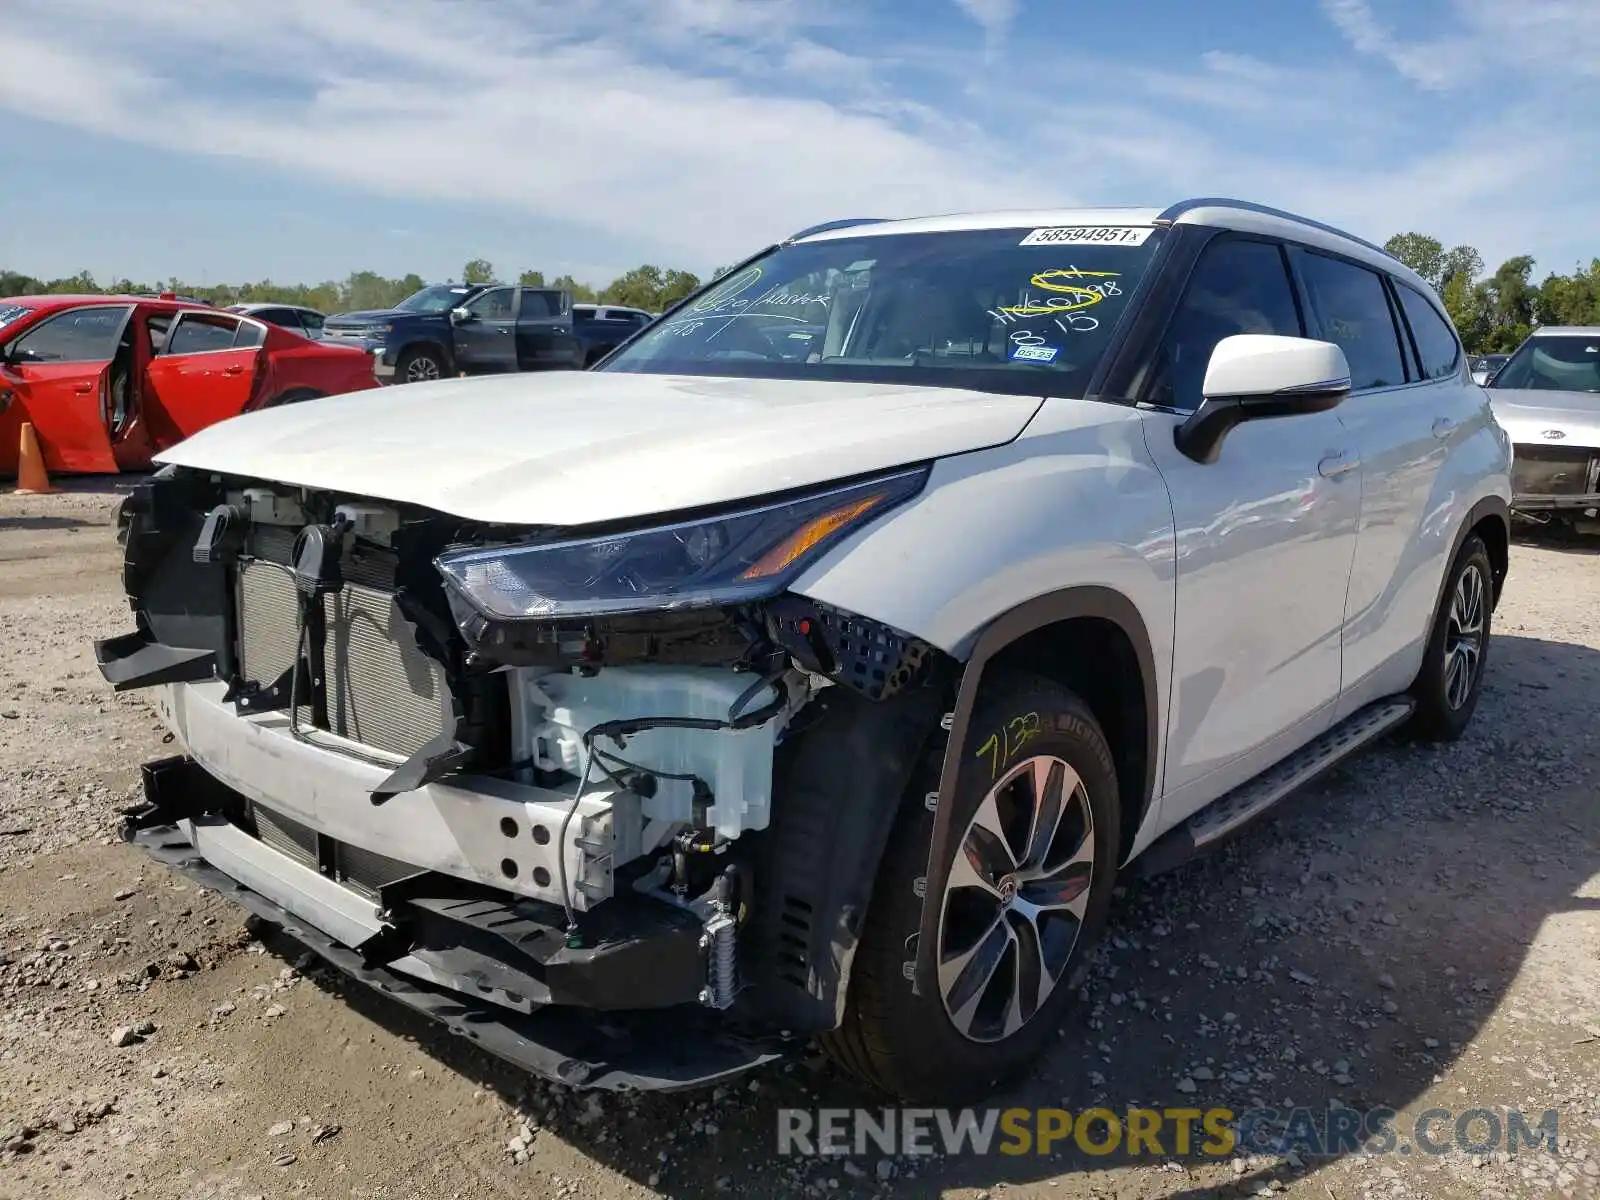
point(717, 560)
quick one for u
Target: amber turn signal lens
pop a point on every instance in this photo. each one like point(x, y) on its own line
point(808, 535)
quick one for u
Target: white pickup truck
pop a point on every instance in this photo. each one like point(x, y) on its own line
point(813, 668)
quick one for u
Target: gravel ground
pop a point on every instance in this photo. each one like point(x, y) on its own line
point(1419, 930)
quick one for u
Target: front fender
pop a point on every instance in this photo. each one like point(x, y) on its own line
point(1074, 503)
point(1070, 520)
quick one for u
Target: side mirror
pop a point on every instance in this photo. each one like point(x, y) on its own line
point(460, 316)
point(1252, 376)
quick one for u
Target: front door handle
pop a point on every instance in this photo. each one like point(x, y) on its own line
point(1443, 428)
point(1337, 466)
point(82, 389)
point(232, 370)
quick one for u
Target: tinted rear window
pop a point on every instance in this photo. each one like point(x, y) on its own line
point(1436, 341)
point(1354, 313)
point(202, 334)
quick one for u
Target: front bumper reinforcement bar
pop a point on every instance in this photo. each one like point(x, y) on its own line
point(475, 941)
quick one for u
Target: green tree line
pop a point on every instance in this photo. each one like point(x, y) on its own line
point(1495, 312)
point(648, 287)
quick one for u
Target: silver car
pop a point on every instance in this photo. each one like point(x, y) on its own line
point(296, 318)
point(1548, 399)
point(1485, 365)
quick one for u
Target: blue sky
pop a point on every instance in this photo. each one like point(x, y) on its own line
point(303, 139)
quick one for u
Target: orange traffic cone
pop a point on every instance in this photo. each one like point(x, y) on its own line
point(32, 478)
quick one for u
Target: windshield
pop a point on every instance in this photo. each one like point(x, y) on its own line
point(1556, 362)
point(438, 299)
point(10, 313)
point(1001, 310)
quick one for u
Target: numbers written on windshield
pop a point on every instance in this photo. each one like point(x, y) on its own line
point(964, 308)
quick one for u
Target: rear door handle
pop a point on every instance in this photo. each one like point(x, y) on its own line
point(82, 389)
point(232, 370)
point(1443, 427)
point(1337, 466)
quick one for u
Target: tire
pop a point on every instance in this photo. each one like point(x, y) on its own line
point(294, 397)
point(1459, 641)
point(420, 364)
point(910, 1040)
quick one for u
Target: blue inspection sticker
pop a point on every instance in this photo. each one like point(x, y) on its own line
point(1038, 354)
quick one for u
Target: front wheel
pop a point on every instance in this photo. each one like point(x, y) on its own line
point(1451, 679)
point(1021, 899)
point(420, 364)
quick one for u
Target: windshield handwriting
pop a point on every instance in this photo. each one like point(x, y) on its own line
point(1067, 299)
point(796, 298)
point(725, 296)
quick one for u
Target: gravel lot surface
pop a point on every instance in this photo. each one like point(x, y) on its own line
point(1419, 930)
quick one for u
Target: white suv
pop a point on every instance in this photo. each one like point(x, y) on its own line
point(814, 667)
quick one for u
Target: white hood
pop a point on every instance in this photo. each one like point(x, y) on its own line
point(575, 448)
point(1530, 417)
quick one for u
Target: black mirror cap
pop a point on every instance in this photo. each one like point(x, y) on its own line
point(1200, 437)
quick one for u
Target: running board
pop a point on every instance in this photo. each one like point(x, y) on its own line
point(1228, 814)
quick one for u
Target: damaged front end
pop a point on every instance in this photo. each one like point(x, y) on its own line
point(565, 793)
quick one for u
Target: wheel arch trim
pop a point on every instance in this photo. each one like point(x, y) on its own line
point(1052, 608)
point(1489, 506)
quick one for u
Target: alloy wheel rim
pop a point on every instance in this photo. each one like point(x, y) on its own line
point(1463, 646)
point(1014, 901)
point(421, 370)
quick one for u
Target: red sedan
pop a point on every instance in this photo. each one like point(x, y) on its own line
point(110, 381)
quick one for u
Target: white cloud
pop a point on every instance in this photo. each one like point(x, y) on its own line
point(1431, 66)
point(1237, 87)
point(1488, 40)
point(1558, 37)
point(995, 16)
point(696, 130)
point(557, 124)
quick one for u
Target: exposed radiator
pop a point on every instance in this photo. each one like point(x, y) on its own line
point(382, 690)
point(364, 870)
point(286, 835)
point(268, 620)
point(1555, 471)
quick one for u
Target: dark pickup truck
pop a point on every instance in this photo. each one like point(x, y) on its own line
point(604, 327)
point(479, 329)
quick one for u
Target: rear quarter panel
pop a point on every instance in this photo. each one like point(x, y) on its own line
point(300, 364)
point(1389, 619)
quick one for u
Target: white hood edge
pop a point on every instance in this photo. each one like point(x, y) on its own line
point(1529, 416)
point(583, 447)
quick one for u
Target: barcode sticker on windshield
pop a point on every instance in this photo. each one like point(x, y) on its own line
point(1089, 235)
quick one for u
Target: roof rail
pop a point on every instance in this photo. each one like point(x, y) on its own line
point(829, 226)
point(1185, 206)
